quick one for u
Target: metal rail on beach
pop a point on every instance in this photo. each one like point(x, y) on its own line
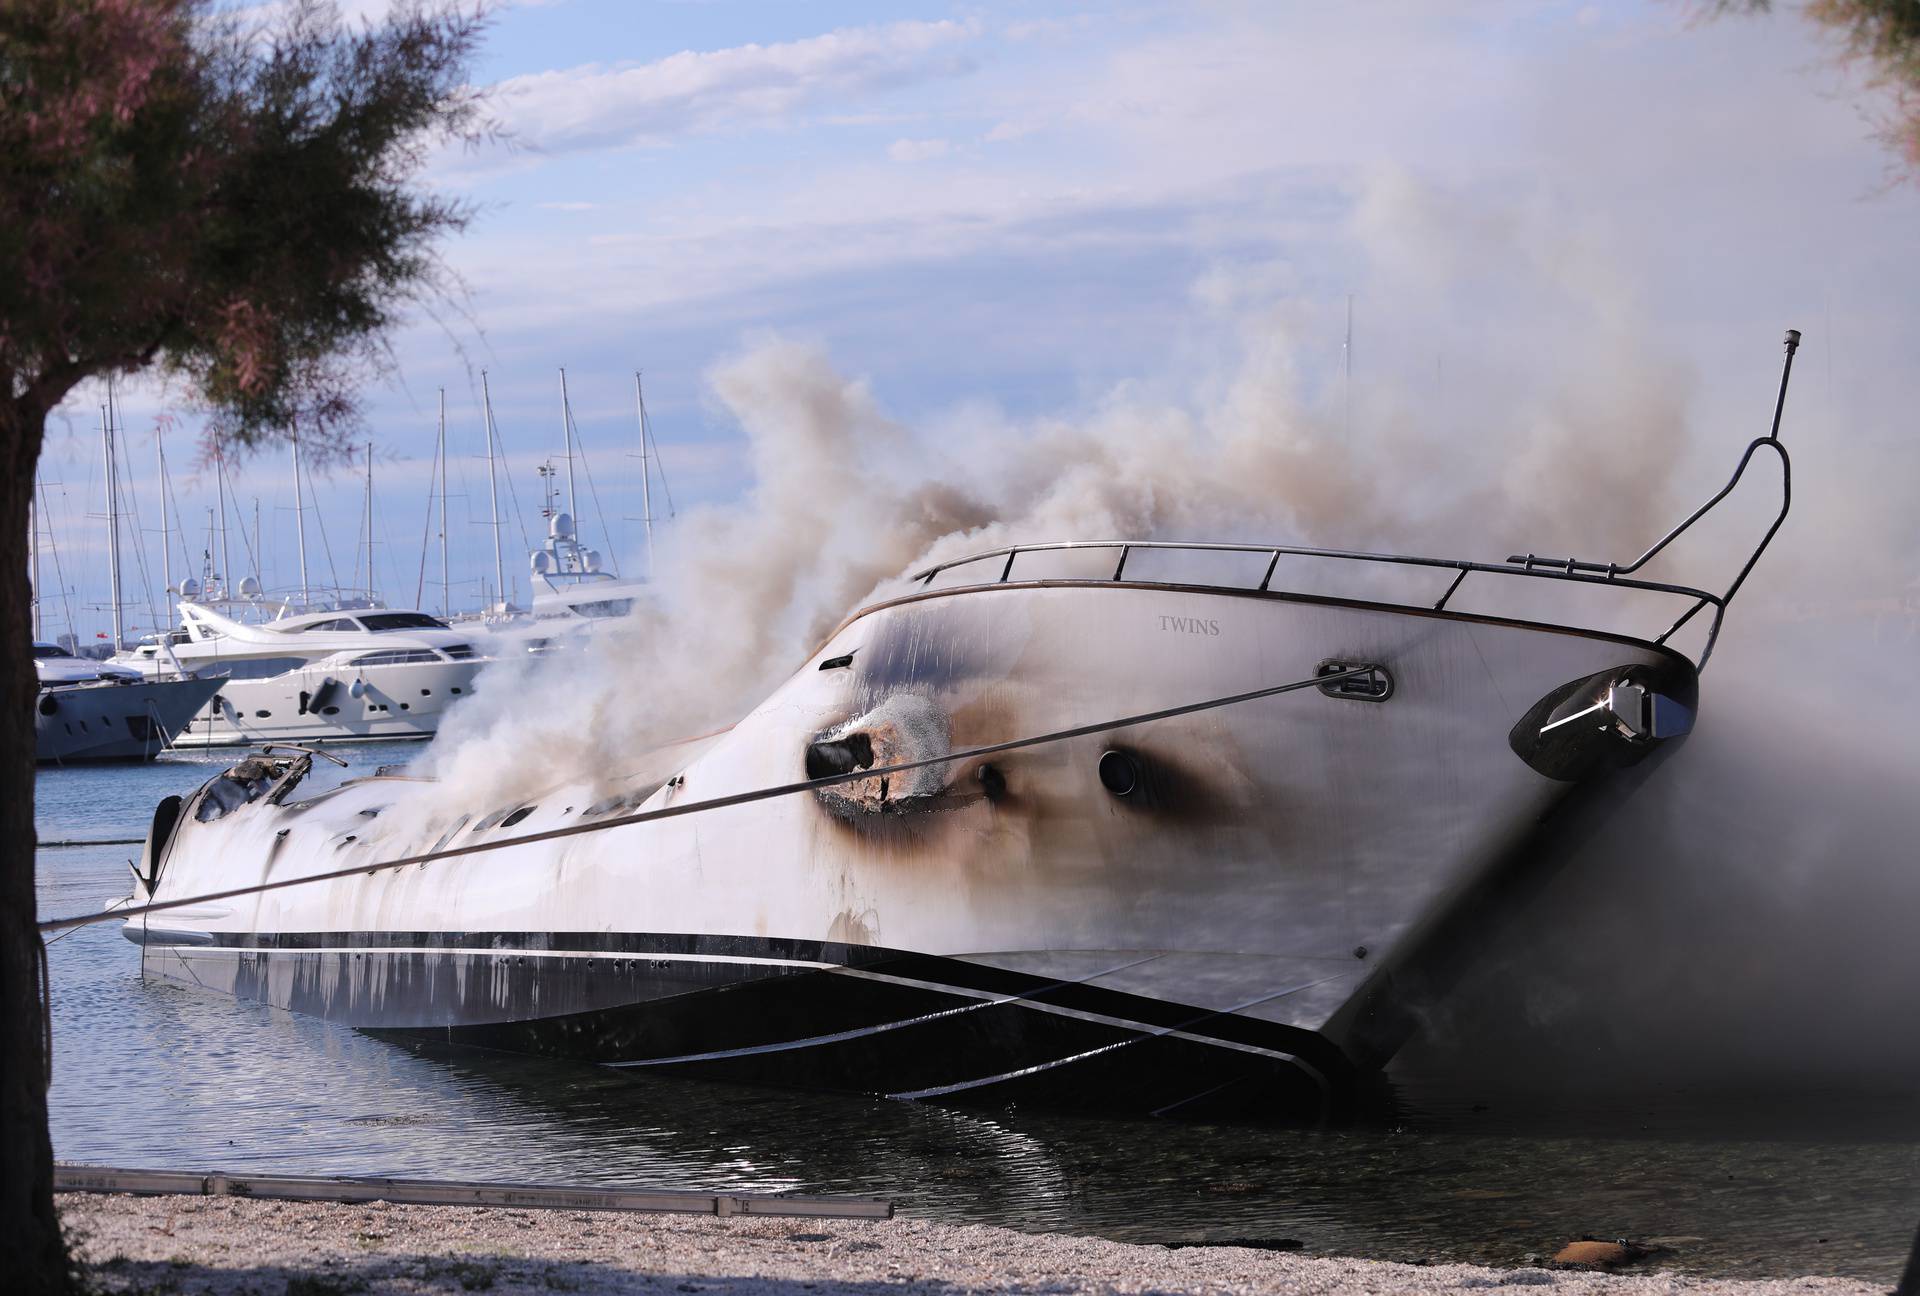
point(451, 1192)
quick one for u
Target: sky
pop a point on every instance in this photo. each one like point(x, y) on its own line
point(1002, 217)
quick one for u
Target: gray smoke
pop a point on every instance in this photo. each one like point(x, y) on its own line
point(1746, 919)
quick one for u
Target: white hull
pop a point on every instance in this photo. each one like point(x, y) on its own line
point(372, 704)
point(113, 721)
point(992, 933)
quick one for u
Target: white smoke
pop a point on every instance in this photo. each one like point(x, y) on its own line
point(1570, 446)
point(1727, 903)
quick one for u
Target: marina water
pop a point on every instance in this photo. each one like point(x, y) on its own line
point(154, 1076)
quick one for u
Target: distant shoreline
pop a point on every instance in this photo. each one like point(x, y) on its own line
point(229, 1246)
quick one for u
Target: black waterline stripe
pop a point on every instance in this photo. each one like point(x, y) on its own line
point(933, 970)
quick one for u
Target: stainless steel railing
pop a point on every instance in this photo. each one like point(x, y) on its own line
point(1575, 570)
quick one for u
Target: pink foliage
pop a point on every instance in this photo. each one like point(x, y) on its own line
point(246, 339)
point(117, 48)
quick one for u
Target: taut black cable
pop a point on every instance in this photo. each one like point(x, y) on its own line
point(713, 803)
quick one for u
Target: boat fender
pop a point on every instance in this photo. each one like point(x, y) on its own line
point(49, 704)
point(357, 688)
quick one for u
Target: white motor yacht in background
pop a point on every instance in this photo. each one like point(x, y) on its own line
point(338, 674)
point(570, 583)
point(92, 711)
point(572, 594)
point(572, 590)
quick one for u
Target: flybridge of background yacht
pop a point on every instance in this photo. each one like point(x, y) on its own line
point(1091, 825)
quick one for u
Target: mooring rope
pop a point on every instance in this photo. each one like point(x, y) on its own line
point(712, 803)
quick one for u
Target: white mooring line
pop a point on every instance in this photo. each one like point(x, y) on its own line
point(453, 1192)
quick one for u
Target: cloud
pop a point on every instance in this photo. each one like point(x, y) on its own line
point(569, 206)
point(918, 150)
point(598, 106)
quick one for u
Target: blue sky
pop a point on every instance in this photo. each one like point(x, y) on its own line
point(1004, 214)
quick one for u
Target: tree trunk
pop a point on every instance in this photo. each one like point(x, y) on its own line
point(33, 1255)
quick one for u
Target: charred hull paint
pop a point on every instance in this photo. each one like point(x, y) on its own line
point(1204, 935)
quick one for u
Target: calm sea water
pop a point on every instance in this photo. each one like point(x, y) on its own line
point(155, 1076)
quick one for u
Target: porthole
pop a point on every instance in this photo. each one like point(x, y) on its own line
point(1119, 773)
point(517, 816)
point(456, 692)
point(426, 692)
point(330, 710)
point(263, 715)
point(405, 707)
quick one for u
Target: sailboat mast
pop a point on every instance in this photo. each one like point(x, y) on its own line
point(493, 492)
point(440, 453)
point(33, 541)
point(566, 423)
point(369, 522)
point(300, 520)
point(166, 537)
point(646, 473)
point(113, 517)
point(220, 481)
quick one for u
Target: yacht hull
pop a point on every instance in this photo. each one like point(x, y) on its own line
point(132, 721)
point(1205, 927)
point(321, 704)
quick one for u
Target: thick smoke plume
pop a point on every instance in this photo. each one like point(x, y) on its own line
point(845, 500)
point(1760, 883)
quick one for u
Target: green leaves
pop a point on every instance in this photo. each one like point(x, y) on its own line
point(239, 203)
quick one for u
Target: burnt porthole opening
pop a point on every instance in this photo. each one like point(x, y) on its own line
point(517, 816)
point(828, 758)
point(993, 784)
point(841, 662)
point(1119, 772)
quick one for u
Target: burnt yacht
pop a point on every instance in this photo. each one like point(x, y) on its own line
point(934, 865)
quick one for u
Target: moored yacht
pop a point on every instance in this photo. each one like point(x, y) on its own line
point(1114, 824)
point(572, 594)
point(91, 711)
point(339, 674)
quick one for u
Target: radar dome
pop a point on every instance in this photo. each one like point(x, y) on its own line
point(591, 560)
point(250, 587)
point(562, 525)
point(189, 588)
point(542, 560)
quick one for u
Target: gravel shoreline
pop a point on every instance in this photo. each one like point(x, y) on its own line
point(230, 1246)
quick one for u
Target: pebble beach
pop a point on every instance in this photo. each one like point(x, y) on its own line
point(238, 1247)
